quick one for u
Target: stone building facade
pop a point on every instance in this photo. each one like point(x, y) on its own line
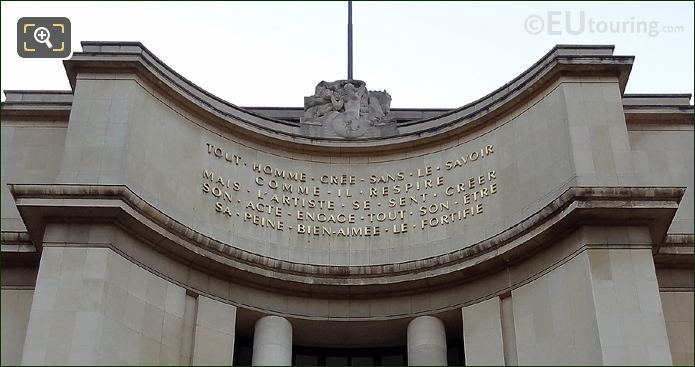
point(146, 221)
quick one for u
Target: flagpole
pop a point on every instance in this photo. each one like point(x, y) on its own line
point(349, 40)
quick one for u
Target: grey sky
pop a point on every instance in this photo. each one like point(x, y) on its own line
point(425, 54)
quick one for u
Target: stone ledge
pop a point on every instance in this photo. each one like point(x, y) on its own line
point(657, 109)
point(17, 249)
point(37, 105)
point(645, 206)
point(30, 96)
point(15, 239)
point(653, 99)
point(677, 250)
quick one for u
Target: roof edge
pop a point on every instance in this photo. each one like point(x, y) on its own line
point(559, 61)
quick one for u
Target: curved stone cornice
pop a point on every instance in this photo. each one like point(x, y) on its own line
point(562, 60)
point(650, 206)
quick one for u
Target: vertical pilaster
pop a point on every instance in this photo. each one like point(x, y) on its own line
point(214, 332)
point(629, 315)
point(482, 333)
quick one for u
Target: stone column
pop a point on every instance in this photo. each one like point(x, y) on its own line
point(426, 342)
point(272, 342)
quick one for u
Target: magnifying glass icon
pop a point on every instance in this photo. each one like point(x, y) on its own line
point(42, 35)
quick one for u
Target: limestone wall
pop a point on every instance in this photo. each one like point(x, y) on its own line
point(167, 221)
point(357, 209)
point(92, 306)
point(678, 313)
point(16, 306)
point(32, 151)
point(662, 155)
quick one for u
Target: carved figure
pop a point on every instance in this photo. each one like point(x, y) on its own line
point(347, 106)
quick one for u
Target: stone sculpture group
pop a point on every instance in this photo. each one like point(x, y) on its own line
point(347, 108)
